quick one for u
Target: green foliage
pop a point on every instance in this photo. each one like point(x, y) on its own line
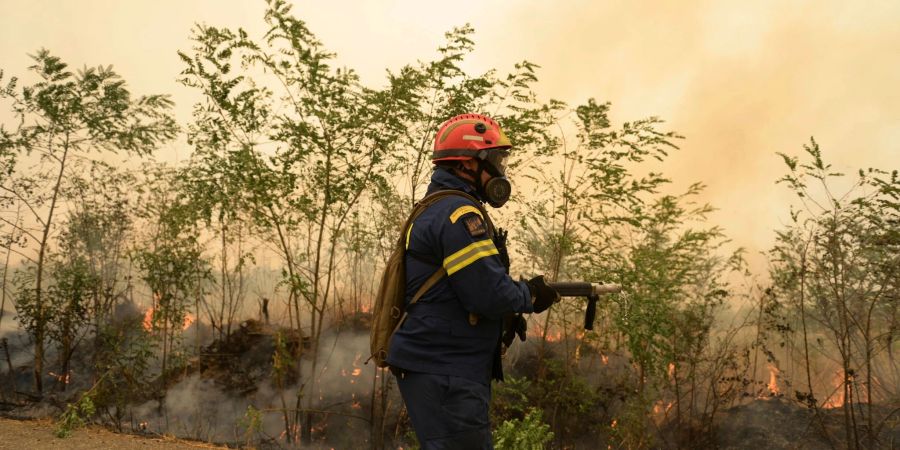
point(98, 231)
point(573, 406)
point(63, 117)
point(296, 158)
point(124, 353)
point(835, 281)
point(529, 433)
point(598, 219)
point(252, 423)
point(67, 301)
point(92, 107)
point(592, 192)
point(76, 416)
point(673, 280)
point(631, 427)
point(282, 361)
point(171, 260)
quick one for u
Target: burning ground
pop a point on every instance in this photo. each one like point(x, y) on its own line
point(232, 392)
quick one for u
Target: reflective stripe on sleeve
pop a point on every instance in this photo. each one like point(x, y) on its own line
point(469, 254)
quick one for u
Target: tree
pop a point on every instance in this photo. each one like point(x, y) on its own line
point(836, 270)
point(67, 309)
point(591, 195)
point(329, 136)
point(64, 117)
point(600, 215)
point(171, 260)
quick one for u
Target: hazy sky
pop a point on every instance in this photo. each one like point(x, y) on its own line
point(740, 80)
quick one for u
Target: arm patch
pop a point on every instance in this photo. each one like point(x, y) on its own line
point(475, 226)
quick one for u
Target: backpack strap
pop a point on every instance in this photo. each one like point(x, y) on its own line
point(431, 281)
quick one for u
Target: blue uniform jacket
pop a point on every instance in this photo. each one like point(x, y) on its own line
point(437, 337)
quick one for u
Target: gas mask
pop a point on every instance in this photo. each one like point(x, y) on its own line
point(497, 189)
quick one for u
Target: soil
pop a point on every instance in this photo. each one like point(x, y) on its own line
point(41, 434)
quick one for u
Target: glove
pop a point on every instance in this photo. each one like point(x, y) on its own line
point(542, 295)
point(514, 324)
point(500, 243)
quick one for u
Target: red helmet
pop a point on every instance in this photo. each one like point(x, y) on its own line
point(465, 136)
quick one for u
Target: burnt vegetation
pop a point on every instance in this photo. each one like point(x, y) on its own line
point(227, 298)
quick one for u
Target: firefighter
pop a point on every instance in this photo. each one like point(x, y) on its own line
point(448, 349)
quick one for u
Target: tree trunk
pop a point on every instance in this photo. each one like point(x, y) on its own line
point(38, 300)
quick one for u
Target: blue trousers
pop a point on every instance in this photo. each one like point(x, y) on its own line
point(447, 412)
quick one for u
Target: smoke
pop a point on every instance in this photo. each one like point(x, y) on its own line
point(740, 82)
point(198, 407)
point(341, 369)
point(9, 324)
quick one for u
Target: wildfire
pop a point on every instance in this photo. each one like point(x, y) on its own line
point(554, 337)
point(189, 320)
point(604, 359)
point(295, 433)
point(836, 399)
point(62, 378)
point(355, 371)
point(148, 319)
point(773, 381)
point(661, 408)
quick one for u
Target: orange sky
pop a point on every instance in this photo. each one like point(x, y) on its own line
point(741, 80)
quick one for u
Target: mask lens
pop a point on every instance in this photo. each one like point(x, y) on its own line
point(498, 160)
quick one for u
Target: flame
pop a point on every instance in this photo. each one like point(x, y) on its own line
point(554, 337)
point(356, 372)
point(148, 319)
point(836, 398)
point(773, 381)
point(614, 423)
point(772, 385)
point(671, 370)
point(62, 378)
point(661, 408)
point(189, 320)
point(604, 359)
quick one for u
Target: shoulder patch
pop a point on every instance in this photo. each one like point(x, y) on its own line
point(475, 226)
point(462, 210)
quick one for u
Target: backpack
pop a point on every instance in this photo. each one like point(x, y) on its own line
point(389, 310)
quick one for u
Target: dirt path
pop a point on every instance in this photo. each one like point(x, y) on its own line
point(40, 434)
